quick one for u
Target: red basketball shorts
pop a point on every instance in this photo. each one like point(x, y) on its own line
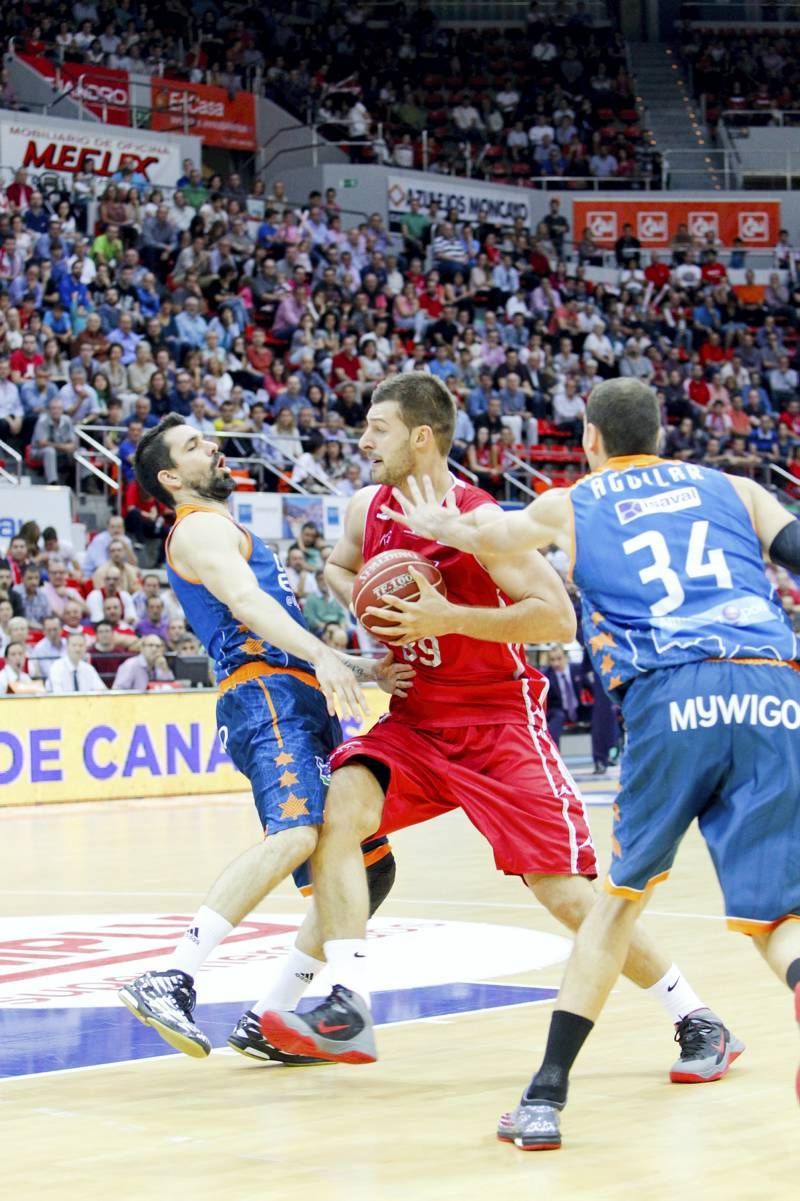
point(509, 780)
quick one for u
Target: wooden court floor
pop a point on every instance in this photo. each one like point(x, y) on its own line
point(418, 1124)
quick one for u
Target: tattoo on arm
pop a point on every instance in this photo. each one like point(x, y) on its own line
point(362, 669)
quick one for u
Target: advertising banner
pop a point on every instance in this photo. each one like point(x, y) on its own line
point(116, 746)
point(273, 516)
point(213, 114)
point(467, 197)
point(46, 144)
point(104, 91)
point(655, 222)
point(46, 504)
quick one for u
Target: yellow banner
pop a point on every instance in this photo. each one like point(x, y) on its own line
point(120, 746)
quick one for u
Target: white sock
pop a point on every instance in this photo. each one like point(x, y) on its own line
point(205, 931)
point(675, 993)
point(347, 959)
point(294, 976)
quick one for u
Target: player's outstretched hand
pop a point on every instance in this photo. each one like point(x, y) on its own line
point(395, 678)
point(339, 684)
point(408, 621)
point(423, 514)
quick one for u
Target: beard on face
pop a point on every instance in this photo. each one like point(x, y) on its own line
point(218, 486)
point(396, 473)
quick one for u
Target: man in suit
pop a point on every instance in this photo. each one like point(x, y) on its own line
point(567, 684)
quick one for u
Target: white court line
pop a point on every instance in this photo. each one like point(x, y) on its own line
point(282, 897)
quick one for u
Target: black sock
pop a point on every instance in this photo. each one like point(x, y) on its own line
point(793, 974)
point(568, 1033)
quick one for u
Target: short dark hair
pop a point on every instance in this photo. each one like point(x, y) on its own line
point(98, 625)
point(423, 400)
point(153, 455)
point(626, 413)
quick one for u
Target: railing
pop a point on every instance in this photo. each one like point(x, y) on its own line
point(95, 448)
point(13, 454)
point(740, 120)
point(741, 13)
point(508, 12)
point(787, 475)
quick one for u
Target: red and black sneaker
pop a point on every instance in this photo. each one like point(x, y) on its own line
point(339, 1028)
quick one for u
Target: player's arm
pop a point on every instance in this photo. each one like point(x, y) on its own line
point(210, 548)
point(546, 521)
point(347, 557)
point(778, 531)
point(541, 610)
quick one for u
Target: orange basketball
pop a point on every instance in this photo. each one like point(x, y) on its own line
point(387, 575)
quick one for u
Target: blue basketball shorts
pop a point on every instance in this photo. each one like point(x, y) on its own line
point(719, 741)
point(278, 733)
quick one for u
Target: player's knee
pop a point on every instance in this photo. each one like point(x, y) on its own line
point(380, 879)
point(299, 842)
point(351, 810)
point(567, 898)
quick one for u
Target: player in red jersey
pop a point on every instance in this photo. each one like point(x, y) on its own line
point(471, 734)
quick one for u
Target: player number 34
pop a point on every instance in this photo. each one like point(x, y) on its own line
point(700, 562)
point(425, 652)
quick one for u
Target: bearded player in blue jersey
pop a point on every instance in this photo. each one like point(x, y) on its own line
point(278, 686)
point(687, 634)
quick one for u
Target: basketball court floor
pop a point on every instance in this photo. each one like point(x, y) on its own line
point(94, 1106)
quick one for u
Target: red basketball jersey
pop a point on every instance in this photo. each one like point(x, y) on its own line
point(459, 680)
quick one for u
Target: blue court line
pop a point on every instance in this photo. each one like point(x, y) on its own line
point(33, 1041)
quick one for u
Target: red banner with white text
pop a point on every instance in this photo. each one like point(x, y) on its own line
point(213, 114)
point(655, 222)
point(103, 91)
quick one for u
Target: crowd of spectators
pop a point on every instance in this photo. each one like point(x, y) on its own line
point(269, 325)
point(743, 71)
point(552, 99)
point(95, 621)
point(88, 622)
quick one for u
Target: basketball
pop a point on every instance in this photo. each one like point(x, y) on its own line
point(387, 575)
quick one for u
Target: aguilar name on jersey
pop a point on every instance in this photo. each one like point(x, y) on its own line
point(459, 680)
point(228, 643)
point(670, 570)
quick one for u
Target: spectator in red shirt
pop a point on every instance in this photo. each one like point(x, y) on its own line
point(345, 364)
point(259, 355)
point(713, 272)
point(657, 273)
point(25, 360)
point(712, 351)
point(791, 417)
point(696, 387)
point(17, 556)
point(19, 192)
point(144, 516)
point(431, 299)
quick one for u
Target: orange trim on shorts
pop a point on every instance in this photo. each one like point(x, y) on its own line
point(377, 853)
point(373, 856)
point(255, 670)
point(276, 730)
point(743, 925)
point(633, 894)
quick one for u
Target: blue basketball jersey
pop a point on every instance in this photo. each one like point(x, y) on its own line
point(228, 643)
point(670, 570)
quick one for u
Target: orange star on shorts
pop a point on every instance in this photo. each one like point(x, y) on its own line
point(294, 806)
